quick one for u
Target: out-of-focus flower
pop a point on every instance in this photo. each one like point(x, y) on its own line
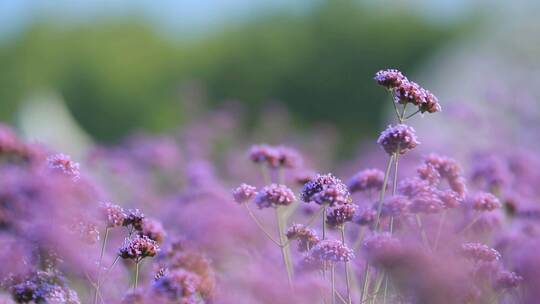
point(138, 247)
point(366, 180)
point(378, 245)
point(44, 287)
point(244, 193)
point(390, 78)
point(400, 139)
point(86, 232)
point(436, 167)
point(395, 206)
point(338, 215)
point(274, 195)
point(64, 164)
point(114, 214)
point(365, 217)
point(484, 202)
point(177, 284)
point(274, 157)
point(326, 189)
point(491, 170)
point(479, 252)
point(153, 229)
point(331, 251)
point(134, 218)
point(507, 280)
point(307, 238)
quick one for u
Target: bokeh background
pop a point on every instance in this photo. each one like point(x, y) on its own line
point(74, 72)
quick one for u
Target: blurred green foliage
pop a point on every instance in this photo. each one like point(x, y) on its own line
point(119, 75)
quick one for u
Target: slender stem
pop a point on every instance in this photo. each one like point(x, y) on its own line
point(264, 172)
point(136, 274)
point(383, 190)
point(441, 223)
point(409, 116)
point(316, 216)
point(470, 224)
point(284, 249)
point(378, 285)
point(365, 288)
point(261, 226)
point(422, 231)
point(324, 223)
point(347, 278)
point(100, 261)
point(333, 279)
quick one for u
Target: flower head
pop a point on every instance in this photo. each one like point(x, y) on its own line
point(64, 164)
point(244, 193)
point(507, 280)
point(307, 238)
point(390, 78)
point(114, 214)
point(379, 245)
point(134, 218)
point(479, 252)
point(331, 251)
point(398, 139)
point(274, 195)
point(395, 206)
point(153, 229)
point(274, 157)
point(138, 248)
point(340, 214)
point(365, 180)
point(177, 284)
point(365, 217)
point(325, 189)
point(484, 201)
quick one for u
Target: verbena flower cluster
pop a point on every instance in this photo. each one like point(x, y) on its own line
point(153, 219)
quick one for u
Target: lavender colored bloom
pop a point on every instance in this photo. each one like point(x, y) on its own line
point(398, 139)
point(507, 280)
point(492, 170)
point(275, 157)
point(390, 78)
point(244, 193)
point(449, 198)
point(177, 284)
point(134, 218)
point(410, 92)
point(64, 164)
point(44, 287)
point(479, 252)
point(114, 214)
point(365, 217)
point(430, 104)
point(86, 232)
point(331, 251)
point(484, 202)
point(379, 244)
point(273, 196)
point(395, 206)
point(307, 238)
point(436, 167)
point(325, 189)
point(153, 229)
point(365, 180)
point(340, 214)
point(289, 157)
point(138, 248)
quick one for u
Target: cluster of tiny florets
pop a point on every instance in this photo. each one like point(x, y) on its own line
point(395, 206)
point(338, 215)
point(307, 238)
point(438, 167)
point(366, 180)
point(399, 139)
point(331, 251)
point(479, 252)
point(326, 189)
point(138, 248)
point(244, 193)
point(64, 164)
point(406, 91)
point(274, 195)
point(484, 201)
point(275, 157)
point(114, 215)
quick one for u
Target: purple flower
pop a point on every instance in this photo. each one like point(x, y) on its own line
point(398, 139)
point(365, 180)
point(244, 193)
point(410, 92)
point(479, 252)
point(395, 206)
point(484, 202)
point(380, 244)
point(138, 248)
point(507, 280)
point(153, 229)
point(325, 189)
point(274, 157)
point(365, 217)
point(64, 164)
point(113, 214)
point(340, 214)
point(134, 218)
point(177, 284)
point(390, 78)
point(273, 196)
point(331, 251)
point(307, 238)
point(436, 167)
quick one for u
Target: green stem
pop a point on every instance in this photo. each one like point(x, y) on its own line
point(261, 227)
point(284, 249)
point(99, 263)
point(383, 191)
point(365, 288)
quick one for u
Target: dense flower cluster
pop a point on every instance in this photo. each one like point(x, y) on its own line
point(331, 251)
point(340, 214)
point(274, 195)
point(479, 252)
point(275, 157)
point(306, 237)
point(244, 193)
point(484, 202)
point(398, 139)
point(325, 189)
point(44, 287)
point(138, 248)
point(64, 164)
point(366, 180)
